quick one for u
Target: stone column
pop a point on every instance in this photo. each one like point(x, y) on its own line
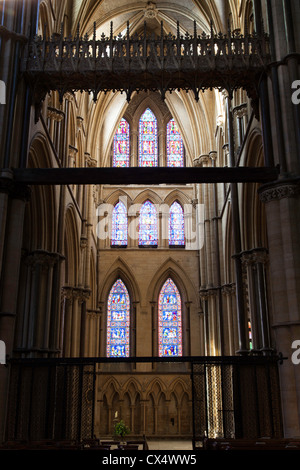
point(10, 284)
point(204, 298)
point(67, 296)
point(134, 158)
point(230, 340)
point(163, 232)
point(236, 233)
point(37, 316)
point(282, 204)
point(162, 154)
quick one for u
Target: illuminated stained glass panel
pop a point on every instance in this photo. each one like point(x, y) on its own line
point(121, 147)
point(119, 232)
point(148, 230)
point(169, 320)
point(175, 152)
point(118, 321)
point(148, 148)
point(176, 225)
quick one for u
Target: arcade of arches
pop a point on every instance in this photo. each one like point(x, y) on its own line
point(103, 269)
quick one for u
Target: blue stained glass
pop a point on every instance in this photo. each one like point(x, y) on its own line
point(148, 231)
point(169, 320)
point(119, 233)
point(121, 147)
point(176, 225)
point(175, 152)
point(148, 148)
point(118, 321)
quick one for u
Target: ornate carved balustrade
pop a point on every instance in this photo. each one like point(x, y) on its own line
point(145, 62)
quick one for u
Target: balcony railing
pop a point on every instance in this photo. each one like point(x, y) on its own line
point(145, 61)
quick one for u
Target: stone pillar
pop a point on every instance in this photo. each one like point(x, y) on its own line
point(134, 157)
point(10, 284)
point(38, 320)
point(163, 232)
point(230, 336)
point(282, 205)
point(162, 154)
point(236, 233)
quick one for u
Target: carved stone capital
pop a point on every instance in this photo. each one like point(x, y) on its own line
point(43, 258)
point(252, 257)
point(202, 160)
point(13, 189)
point(55, 114)
point(240, 110)
point(228, 289)
point(91, 162)
point(72, 293)
point(282, 189)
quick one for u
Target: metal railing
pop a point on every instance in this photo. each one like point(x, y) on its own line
point(147, 61)
point(232, 396)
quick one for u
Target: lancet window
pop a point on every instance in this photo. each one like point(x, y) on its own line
point(169, 320)
point(118, 321)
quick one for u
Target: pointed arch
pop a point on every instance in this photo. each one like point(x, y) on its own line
point(118, 321)
point(148, 139)
point(169, 320)
point(71, 248)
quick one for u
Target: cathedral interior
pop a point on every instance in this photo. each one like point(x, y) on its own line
point(149, 205)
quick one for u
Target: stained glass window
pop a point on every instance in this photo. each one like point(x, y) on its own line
point(121, 145)
point(175, 152)
point(148, 231)
point(148, 148)
point(118, 321)
point(176, 225)
point(169, 320)
point(119, 232)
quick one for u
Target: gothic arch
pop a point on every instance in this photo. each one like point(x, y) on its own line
point(252, 210)
point(105, 118)
point(109, 389)
point(114, 196)
point(158, 108)
point(133, 388)
point(147, 194)
point(45, 23)
point(177, 195)
point(71, 248)
point(42, 206)
point(119, 269)
point(155, 389)
point(170, 268)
